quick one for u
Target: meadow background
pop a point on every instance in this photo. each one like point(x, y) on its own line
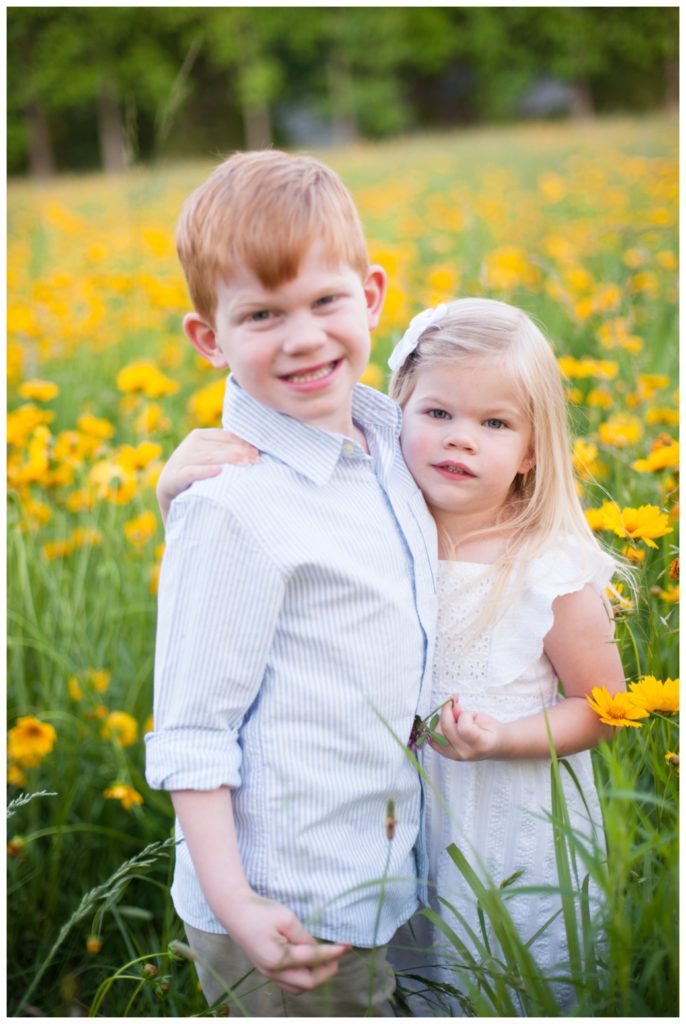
point(575, 223)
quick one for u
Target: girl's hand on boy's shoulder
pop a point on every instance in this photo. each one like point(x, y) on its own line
point(201, 455)
point(470, 735)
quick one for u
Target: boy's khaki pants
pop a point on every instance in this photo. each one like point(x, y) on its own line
point(362, 987)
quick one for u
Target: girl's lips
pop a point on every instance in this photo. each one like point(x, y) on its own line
point(313, 377)
point(454, 471)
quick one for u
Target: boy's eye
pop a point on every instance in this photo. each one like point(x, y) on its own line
point(260, 315)
point(438, 414)
point(326, 300)
point(495, 424)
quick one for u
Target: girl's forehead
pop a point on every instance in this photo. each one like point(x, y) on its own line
point(471, 379)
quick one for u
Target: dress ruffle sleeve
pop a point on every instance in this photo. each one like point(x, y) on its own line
point(517, 637)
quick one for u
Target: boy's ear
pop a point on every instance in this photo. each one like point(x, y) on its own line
point(202, 337)
point(375, 293)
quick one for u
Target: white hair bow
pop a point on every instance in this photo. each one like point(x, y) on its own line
point(410, 339)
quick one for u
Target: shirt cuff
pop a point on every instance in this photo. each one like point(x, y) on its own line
point(200, 759)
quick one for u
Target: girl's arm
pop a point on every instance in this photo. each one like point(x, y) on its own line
point(583, 653)
point(200, 455)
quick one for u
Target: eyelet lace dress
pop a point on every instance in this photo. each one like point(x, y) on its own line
point(496, 812)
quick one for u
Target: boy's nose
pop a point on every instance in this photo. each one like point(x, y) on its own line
point(303, 334)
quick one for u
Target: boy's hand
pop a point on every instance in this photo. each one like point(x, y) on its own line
point(200, 455)
point(275, 941)
point(471, 735)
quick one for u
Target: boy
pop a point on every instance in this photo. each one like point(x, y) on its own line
point(292, 640)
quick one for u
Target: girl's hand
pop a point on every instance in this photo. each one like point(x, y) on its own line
point(200, 455)
point(471, 735)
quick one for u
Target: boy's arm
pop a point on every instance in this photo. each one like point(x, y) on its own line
point(200, 455)
point(270, 934)
point(583, 653)
point(218, 604)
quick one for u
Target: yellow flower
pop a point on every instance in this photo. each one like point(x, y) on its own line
point(127, 796)
point(663, 415)
point(373, 377)
point(75, 691)
point(152, 419)
point(93, 944)
point(144, 376)
point(120, 727)
point(54, 549)
point(670, 595)
point(595, 517)
point(29, 741)
point(673, 759)
point(140, 529)
point(620, 430)
point(662, 457)
point(599, 398)
point(206, 404)
point(99, 679)
point(617, 709)
point(652, 694)
point(585, 460)
point(644, 523)
point(573, 368)
point(636, 555)
point(39, 390)
point(112, 482)
point(94, 427)
point(84, 536)
point(80, 501)
point(15, 776)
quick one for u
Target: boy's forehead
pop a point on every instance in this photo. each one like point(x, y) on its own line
point(315, 265)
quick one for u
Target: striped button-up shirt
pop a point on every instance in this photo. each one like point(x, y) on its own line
point(295, 631)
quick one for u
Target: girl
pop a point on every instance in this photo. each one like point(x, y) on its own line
point(521, 587)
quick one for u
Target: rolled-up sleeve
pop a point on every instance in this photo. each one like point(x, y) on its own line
point(218, 604)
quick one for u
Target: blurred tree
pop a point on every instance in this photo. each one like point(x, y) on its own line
point(102, 58)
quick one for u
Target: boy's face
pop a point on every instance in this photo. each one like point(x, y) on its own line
point(299, 347)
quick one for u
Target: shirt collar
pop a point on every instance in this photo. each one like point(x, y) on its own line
point(309, 450)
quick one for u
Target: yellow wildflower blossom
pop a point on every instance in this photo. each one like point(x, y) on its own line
point(661, 457)
point(644, 523)
point(94, 942)
point(95, 427)
point(144, 376)
point(670, 595)
point(99, 679)
point(127, 796)
point(86, 536)
point(653, 694)
point(75, 691)
point(132, 459)
point(54, 549)
point(139, 530)
point(673, 759)
point(121, 727)
point(662, 415)
point(587, 367)
point(599, 398)
point(585, 460)
point(29, 741)
point(620, 430)
point(206, 404)
point(39, 390)
point(15, 775)
point(151, 420)
point(112, 482)
point(617, 709)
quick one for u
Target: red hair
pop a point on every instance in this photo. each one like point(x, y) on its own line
point(263, 210)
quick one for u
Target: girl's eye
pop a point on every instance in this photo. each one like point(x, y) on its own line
point(438, 414)
point(495, 424)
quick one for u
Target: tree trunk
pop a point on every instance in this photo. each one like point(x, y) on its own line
point(582, 101)
point(41, 157)
point(257, 125)
point(112, 141)
point(672, 85)
point(340, 83)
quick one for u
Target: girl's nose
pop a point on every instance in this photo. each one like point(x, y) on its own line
point(460, 436)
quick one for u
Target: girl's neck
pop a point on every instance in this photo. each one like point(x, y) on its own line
point(467, 541)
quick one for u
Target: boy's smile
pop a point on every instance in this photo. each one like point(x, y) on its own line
point(301, 346)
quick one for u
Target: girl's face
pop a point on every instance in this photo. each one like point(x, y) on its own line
point(465, 437)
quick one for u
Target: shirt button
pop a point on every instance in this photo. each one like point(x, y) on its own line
point(348, 448)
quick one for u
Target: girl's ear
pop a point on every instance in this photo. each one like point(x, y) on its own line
point(374, 292)
point(202, 337)
point(528, 462)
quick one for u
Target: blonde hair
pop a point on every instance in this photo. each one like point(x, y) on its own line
point(543, 504)
point(262, 210)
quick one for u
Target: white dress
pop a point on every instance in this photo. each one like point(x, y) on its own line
point(495, 811)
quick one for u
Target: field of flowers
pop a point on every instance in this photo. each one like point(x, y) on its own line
point(576, 225)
